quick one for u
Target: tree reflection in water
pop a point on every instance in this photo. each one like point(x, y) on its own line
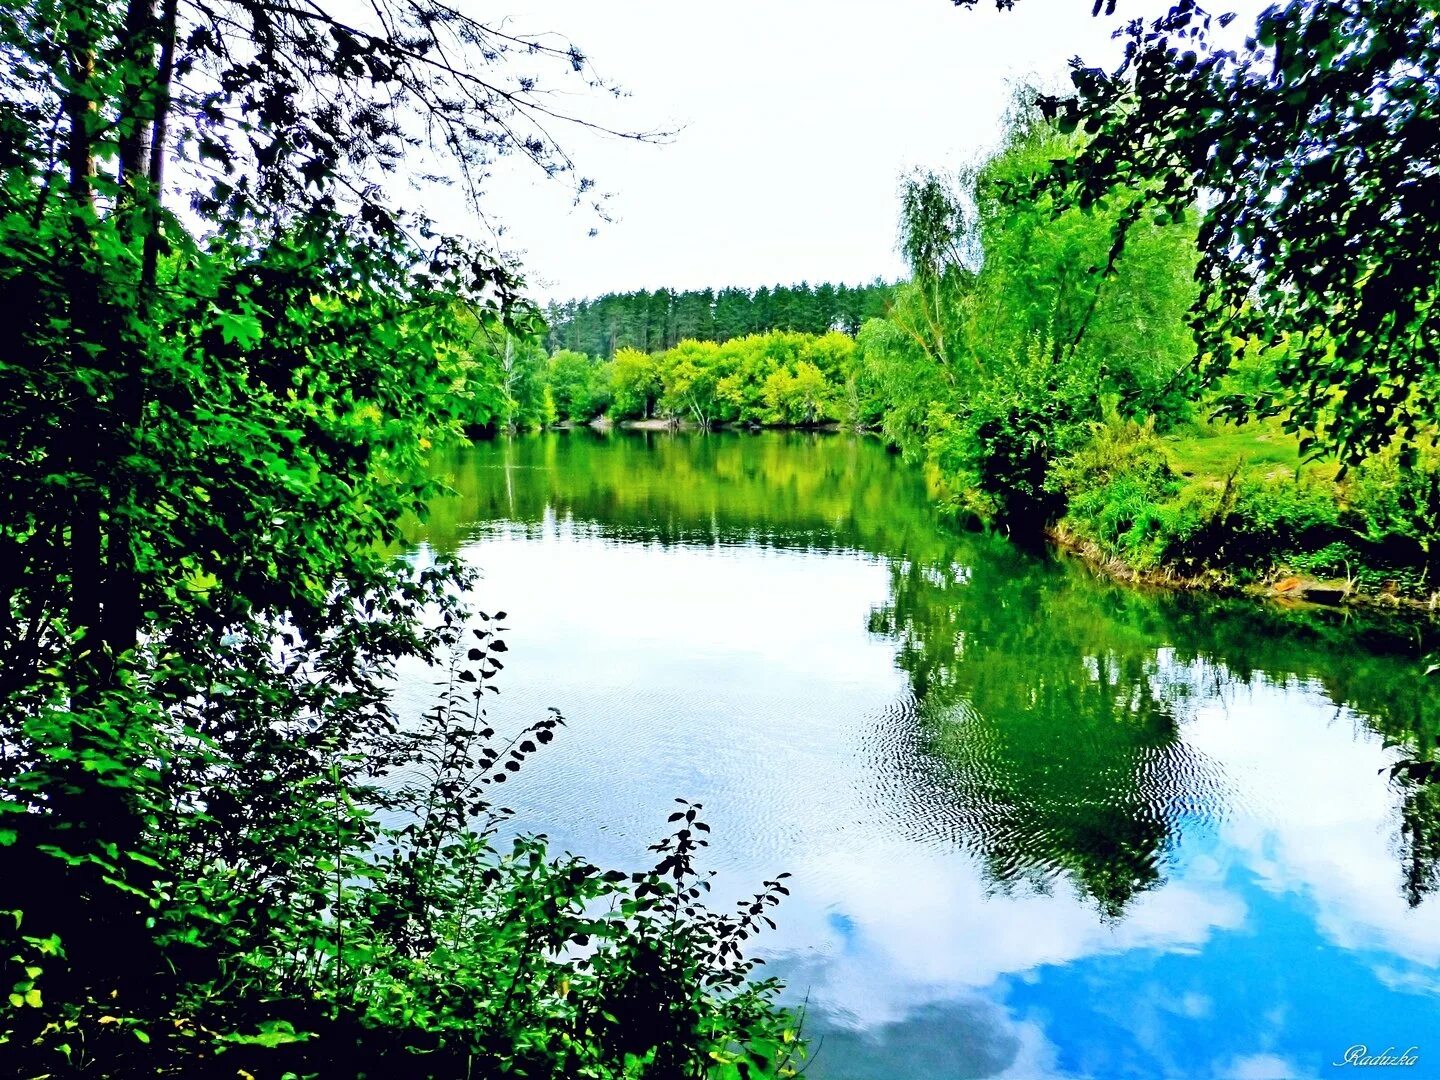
point(1049, 705)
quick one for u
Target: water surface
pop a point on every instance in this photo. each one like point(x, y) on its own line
point(1040, 825)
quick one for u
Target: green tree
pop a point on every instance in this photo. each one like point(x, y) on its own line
point(576, 384)
point(210, 447)
point(810, 394)
point(634, 384)
point(1310, 151)
point(826, 309)
point(522, 365)
point(654, 322)
point(1024, 322)
point(732, 314)
point(688, 376)
point(905, 379)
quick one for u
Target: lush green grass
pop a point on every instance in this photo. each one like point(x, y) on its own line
point(1164, 503)
point(1207, 454)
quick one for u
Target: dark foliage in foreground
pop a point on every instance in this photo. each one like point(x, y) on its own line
point(1310, 146)
point(221, 851)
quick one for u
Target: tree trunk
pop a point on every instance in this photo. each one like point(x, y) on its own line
point(138, 48)
point(122, 600)
point(85, 526)
point(108, 946)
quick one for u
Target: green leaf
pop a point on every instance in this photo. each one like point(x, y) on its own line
point(239, 328)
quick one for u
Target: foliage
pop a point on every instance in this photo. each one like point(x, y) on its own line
point(994, 268)
point(214, 851)
point(523, 380)
point(634, 383)
point(1123, 496)
point(1009, 341)
point(655, 322)
point(801, 395)
point(578, 385)
point(774, 378)
point(1313, 146)
point(1395, 500)
point(901, 379)
point(368, 909)
point(689, 375)
point(998, 445)
point(1304, 160)
point(1116, 485)
point(1033, 314)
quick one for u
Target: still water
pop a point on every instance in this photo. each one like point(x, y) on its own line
point(1039, 825)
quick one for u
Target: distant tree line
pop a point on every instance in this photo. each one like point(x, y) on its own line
point(778, 378)
point(660, 320)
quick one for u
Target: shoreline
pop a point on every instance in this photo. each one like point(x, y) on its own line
point(1285, 589)
point(1291, 591)
point(655, 424)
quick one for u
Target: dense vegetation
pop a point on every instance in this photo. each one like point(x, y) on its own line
point(1041, 360)
point(660, 320)
point(1308, 147)
point(1304, 153)
point(222, 851)
point(778, 378)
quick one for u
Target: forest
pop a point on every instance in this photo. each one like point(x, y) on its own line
point(1041, 362)
point(654, 322)
point(1181, 320)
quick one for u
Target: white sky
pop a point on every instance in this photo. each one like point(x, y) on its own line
point(799, 118)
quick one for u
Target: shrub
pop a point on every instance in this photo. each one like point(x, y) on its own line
point(998, 444)
point(352, 903)
point(1115, 487)
point(1277, 515)
point(1392, 497)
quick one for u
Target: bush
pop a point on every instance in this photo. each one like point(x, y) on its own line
point(1273, 516)
point(1115, 487)
point(1122, 495)
point(1391, 497)
point(999, 443)
point(370, 914)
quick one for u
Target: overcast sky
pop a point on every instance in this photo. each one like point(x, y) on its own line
point(797, 119)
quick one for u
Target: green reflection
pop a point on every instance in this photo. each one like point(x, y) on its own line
point(1050, 702)
point(787, 489)
point(1055, 699)
point(1057, 730)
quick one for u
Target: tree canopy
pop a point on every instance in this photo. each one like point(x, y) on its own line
point(232, 348)
point(660, 320)
point(1309, 149)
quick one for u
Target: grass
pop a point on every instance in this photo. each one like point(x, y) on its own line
point(1206, 454)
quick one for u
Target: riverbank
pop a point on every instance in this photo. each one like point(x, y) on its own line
point(1279, 586)
point(1238, 510)
point(1225, 509)
point(677, 424)
point(1219, 507)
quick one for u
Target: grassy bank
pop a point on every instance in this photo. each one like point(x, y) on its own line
point(1236, 507)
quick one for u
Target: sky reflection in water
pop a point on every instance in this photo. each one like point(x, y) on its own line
point(1039, 825)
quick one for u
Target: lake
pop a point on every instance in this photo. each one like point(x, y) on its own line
point(1039, 824)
